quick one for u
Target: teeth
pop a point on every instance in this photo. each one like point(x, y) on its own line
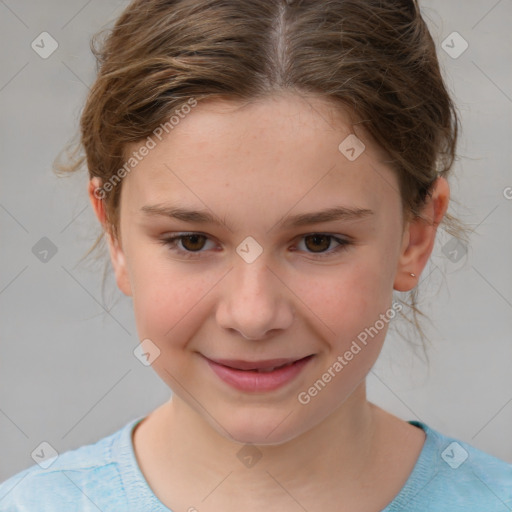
point(267, 370)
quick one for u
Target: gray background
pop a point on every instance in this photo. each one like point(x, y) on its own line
point(68, 375)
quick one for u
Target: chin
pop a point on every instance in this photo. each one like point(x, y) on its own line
point(260, 429)
point(260, 438)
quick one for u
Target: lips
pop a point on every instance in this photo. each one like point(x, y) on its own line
point(258, 376)
point(262, 366)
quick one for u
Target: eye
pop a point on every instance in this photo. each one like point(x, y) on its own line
point(191, 245)
point(319, 244)
point(187, 244)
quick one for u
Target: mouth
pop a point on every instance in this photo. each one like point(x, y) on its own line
point(258, 376)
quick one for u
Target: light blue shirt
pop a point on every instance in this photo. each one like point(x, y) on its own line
point(449, 475)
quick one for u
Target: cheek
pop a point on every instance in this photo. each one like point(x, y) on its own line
point(346, 298)
point(350, 302)
point(168, 296)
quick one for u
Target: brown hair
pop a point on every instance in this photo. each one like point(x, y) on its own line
point(375, 57)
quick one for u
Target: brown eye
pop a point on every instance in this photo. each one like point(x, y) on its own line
point(317, 243)
point(189, 245)
point(193, 242)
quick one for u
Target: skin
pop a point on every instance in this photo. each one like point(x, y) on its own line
point(252, 167)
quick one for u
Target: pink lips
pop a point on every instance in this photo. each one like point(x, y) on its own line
point(258, 376)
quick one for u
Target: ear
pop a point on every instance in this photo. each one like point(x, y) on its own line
point(117, 257)
point(419, 237)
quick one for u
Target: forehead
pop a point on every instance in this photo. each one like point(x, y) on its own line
point(281, 149)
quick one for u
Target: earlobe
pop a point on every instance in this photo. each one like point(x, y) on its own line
point(118, 260)
point(419, 237)
point(96, 195)
point(117, 257)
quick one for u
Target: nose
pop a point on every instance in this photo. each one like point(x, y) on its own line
point(254, 302)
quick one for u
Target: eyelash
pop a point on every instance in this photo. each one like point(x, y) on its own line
point(171, 243)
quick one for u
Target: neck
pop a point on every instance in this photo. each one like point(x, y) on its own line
point(357, 459)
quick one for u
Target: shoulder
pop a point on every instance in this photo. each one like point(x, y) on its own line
point(451, 475)
point(85, 479)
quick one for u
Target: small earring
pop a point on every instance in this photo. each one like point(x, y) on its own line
point(412, 275)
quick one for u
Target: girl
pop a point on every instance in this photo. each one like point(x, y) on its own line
point(267, 174)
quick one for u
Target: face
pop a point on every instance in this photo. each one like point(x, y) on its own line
point(258, 256)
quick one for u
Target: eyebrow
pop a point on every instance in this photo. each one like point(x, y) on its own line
point(327, 215)
point(303, 219)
